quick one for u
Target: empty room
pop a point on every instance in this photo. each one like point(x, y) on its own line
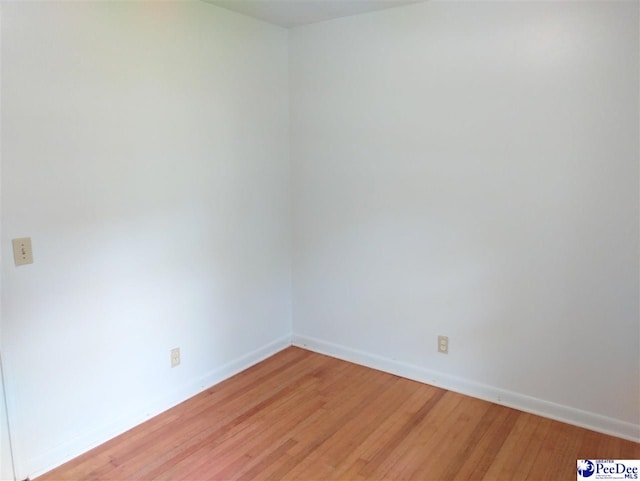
point(320, 240)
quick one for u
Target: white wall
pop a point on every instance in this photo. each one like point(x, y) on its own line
point(471, 169)
point(145, 151)
point(6, 461)
point(468, 169)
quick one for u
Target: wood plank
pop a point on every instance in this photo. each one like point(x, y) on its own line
point(300, 415)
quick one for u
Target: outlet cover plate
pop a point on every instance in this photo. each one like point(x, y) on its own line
point(175, 357)
point(443, 344)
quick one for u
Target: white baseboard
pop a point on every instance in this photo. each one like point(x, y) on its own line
point(73, 448)
point(510, 399)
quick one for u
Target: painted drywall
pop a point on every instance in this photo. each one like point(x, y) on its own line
point(145, 152)
point(470, 169)
point(6, 461)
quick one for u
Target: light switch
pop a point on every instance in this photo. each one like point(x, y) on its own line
point(22, 252)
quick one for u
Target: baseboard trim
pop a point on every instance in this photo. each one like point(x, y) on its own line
point(75, 447)
point(558, 412)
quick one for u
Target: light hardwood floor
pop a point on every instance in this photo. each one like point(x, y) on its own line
point(301, 415)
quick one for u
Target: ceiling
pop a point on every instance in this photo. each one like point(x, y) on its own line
point(293, 13)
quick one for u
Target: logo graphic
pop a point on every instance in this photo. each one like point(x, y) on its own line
point(585, 468)
point(608, 469)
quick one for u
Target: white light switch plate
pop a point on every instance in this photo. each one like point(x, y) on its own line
point(22, 252)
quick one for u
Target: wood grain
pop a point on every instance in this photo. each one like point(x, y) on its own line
point(302, 416)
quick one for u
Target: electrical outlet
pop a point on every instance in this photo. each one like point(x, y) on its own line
point(22, 252)
point(443, 344)
point(175, 357)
